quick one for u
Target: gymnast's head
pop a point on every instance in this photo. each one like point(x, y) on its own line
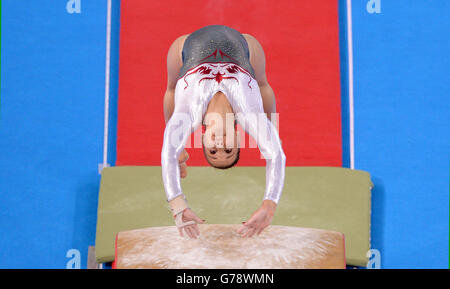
point(220, 138)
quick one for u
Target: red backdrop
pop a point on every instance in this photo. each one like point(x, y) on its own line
point(301, 42)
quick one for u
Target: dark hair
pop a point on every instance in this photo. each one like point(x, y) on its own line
point(223, 167)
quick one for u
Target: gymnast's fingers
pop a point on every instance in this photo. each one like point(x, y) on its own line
point(254, 231)
point(198, 220)
point(242, 229)
point(193, 232)
point(249, 233)
point(189, 215)
point(183, 170)
point(252, 222)
point(246, 232)
point(184, 156)
point(260, 230)
point(196, 230)
point(188, 232)
point(180, 230)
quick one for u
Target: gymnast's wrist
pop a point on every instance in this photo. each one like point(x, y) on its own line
point(269, 205)
point(178, 205)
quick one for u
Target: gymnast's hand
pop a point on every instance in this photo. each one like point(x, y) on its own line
point(260, 219)
point(184, 156)
point(191, 230)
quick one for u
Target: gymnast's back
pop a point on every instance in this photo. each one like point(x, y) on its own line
point(215, 43)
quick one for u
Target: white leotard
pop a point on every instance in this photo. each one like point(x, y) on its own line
point(193, 92)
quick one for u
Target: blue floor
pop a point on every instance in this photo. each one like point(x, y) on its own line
point(51, 130)
point(402, 127)
point(52, 110)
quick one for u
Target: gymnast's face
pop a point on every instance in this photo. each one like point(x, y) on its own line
point(220, 145)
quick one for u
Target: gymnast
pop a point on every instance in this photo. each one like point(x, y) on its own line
point(216, 78)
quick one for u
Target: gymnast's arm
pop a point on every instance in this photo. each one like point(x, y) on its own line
point(176, 133)
point(173, 155)
point(258, 62)
point(174, 64)
point(263, 131)
point(269, 143)
point(270, 147)
point(178, 128)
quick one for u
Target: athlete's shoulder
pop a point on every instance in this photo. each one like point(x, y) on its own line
point(178, 42)
point(175, 48)
point(257, 58)
point(251, 40)
point(174, 60)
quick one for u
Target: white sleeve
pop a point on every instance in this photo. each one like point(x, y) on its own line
point(176, 133)
point(248, 106)
point(263, 131)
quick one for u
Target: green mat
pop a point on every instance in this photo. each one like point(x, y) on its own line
point(332, 198)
